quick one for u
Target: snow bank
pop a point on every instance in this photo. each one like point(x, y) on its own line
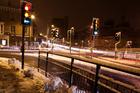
point(14, 63)
point(56, 85)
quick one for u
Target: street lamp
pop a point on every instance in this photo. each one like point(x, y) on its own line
point(32, 17)
point(52, 26)
point(40, 34)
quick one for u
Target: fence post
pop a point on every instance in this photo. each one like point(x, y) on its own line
point(71, 73)
point(38, 60)
point(46, 64)
point(97, 78)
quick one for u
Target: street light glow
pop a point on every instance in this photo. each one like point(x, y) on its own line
point(32, 16)
point(91, 26)
point(52, 25)
point(41, 34)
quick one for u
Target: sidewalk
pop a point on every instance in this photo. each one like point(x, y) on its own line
point(13, 80)
point(16, 80)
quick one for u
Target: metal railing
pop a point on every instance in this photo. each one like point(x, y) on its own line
point(85, 79)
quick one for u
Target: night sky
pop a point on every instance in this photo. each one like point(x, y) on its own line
point(81, 12)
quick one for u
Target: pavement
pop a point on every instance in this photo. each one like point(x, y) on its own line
point(13, 80)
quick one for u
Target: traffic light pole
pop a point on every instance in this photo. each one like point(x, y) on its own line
point(70, 42)
point(23, 33)
point(91, 47)
point(116, 45)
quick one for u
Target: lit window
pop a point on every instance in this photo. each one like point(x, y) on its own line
point(4, 42)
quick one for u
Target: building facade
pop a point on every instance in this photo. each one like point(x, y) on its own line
point(10, 28)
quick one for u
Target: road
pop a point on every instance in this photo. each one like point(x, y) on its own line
point(16, 54)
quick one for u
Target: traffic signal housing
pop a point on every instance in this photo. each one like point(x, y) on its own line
point(25, 13)
point(57, 33)
point(53, 32)
point(95, 26)
point(118, 36)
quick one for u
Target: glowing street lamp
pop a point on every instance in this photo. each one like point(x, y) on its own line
point(40, 34)
point(91, 27)
point(32, 16)
point(52, 26)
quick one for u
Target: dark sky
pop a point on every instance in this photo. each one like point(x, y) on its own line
point(81, 12)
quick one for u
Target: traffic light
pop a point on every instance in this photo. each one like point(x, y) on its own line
point(95, 26)
point(118, 36)
point(57, 33)
point(25, 13)
point(53, 32)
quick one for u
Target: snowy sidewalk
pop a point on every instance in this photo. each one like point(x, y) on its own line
point(13, 79)
point(16, 80)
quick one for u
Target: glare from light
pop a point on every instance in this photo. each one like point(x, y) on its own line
point(32, 16)
point(52, 25)
point(41, 34)
point(27, 7)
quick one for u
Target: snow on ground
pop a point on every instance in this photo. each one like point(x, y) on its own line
point(16, 80)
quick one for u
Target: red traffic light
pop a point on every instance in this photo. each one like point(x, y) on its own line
point(97, 21)
point(27, 7)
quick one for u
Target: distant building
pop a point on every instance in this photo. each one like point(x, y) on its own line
point(10, 28)
point(62, 24)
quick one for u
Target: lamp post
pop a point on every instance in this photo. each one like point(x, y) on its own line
point(52, 26)
point(91, 27)
point(32, 17)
